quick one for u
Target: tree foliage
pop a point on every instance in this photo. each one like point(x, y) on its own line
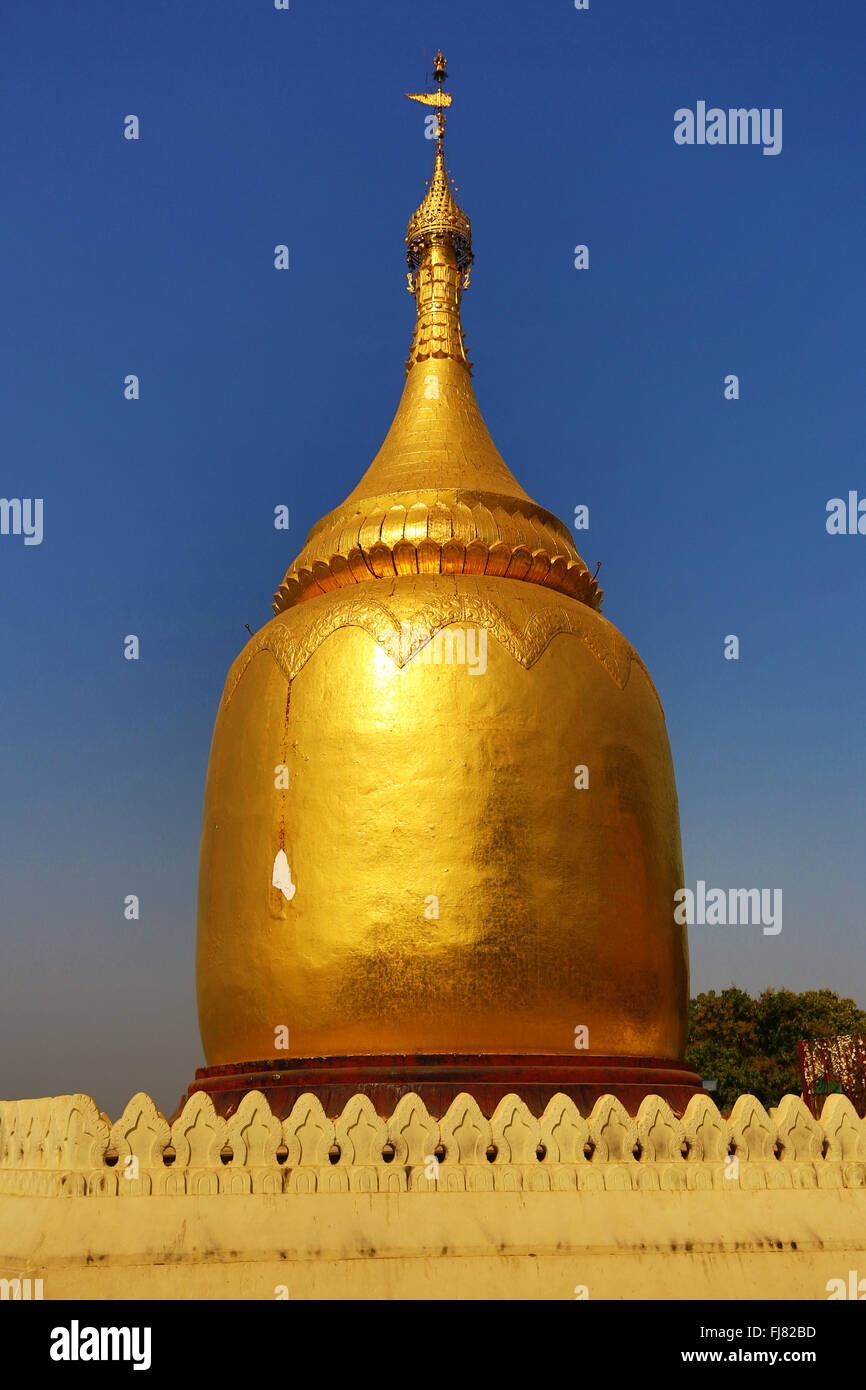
point(749, 1046)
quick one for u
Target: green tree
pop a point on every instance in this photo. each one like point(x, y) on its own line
point(749, 1046)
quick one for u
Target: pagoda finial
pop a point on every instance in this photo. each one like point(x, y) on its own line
point(439, 99)
point(439, 220)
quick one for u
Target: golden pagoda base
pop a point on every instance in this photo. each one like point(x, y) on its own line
point(605, 1206)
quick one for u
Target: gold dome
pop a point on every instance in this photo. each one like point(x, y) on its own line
point(396, 857)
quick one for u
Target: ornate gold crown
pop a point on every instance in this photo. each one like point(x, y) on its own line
point(439, 215)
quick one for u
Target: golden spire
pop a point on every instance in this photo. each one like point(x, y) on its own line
point(439, 220)
point(438, 250)
point(439, 216)
point(438, 497)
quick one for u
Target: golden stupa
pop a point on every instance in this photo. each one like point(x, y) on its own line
point(441, 989)
point(398, 858)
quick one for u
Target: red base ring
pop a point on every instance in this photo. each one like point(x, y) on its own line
point(438, 1079)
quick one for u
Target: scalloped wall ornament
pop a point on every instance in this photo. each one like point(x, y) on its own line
point(294, 637)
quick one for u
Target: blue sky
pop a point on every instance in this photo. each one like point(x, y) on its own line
point(602, 387)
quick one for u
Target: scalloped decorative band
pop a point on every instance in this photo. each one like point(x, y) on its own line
point(293, 638)
point(475, 534)
point(64, 1146)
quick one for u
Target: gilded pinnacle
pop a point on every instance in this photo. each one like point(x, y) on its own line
point(438, 497)
point(439, 218)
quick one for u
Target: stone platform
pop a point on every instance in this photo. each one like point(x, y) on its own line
point(562, 1206)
